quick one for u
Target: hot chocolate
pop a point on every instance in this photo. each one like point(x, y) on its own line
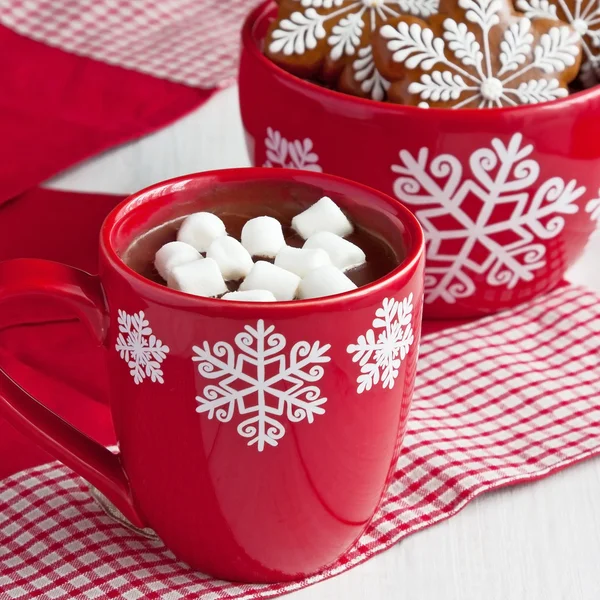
point(380, 257)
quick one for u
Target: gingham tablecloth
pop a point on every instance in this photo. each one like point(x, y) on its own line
point(507, 399)
point(195, 42)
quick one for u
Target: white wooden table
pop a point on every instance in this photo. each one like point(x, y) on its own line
point(536, 541)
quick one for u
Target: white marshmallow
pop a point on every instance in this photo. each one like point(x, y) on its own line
point(200, 278)
point(343, 254)
point(251, 296)
point(263, 236)
point(200, 230)
point(324, 215)
point(233, 259)
point(172, 255)
point(265, 276)
point(324, 281)
point(301, 261)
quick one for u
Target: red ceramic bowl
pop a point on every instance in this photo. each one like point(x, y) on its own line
point(506, 196)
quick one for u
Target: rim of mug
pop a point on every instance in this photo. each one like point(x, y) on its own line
point(250, 43)
point(137, 199)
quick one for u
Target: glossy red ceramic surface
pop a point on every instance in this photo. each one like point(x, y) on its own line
point(507, 197)
point(285, 464)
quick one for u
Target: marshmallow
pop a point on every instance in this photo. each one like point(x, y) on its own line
point(200, 230)
point(324, 215)
point(233, 259)
point(324, 281)
point(251, 296)
point(265, 276)
point(301, 261)
point(172, 255)
point(263, 236)
point(343, 254)
point(200, 278)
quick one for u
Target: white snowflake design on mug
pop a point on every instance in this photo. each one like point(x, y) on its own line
point(381, 350)
point(501, 176)
point(140, 348)
point(244, 387)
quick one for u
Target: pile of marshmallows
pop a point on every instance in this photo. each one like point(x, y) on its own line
point(315, 270)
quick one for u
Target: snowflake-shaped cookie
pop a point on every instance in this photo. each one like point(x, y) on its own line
point(140, 348)
point(583, 16)
point(382, 349)
point(480, 54)
point(331, 39)
point(263, 381)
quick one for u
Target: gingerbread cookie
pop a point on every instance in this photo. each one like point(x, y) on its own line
point(476, 54)
point(330, 40)
point(584, 18)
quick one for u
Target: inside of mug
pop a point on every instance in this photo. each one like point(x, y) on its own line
point(248, 196)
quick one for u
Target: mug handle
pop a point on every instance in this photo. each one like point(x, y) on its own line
point(83, 292)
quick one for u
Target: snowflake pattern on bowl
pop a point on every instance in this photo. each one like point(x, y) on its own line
point(296, 154)
point(498, 63)
point(352, 24)
point(143, 352)
point(582, 15)
point(381, 350)
point(505, 180)
point(593, 207)
point(245, 387)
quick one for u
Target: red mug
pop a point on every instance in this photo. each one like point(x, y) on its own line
point(507, 197)
point(255, 439)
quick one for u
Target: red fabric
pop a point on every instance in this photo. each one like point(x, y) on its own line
point(195, 42)
point(55, 225)
point(57, 109)
point(503, 400)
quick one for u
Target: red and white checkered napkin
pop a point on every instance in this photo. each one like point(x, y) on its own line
point(510, 398)
point(195, 42)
